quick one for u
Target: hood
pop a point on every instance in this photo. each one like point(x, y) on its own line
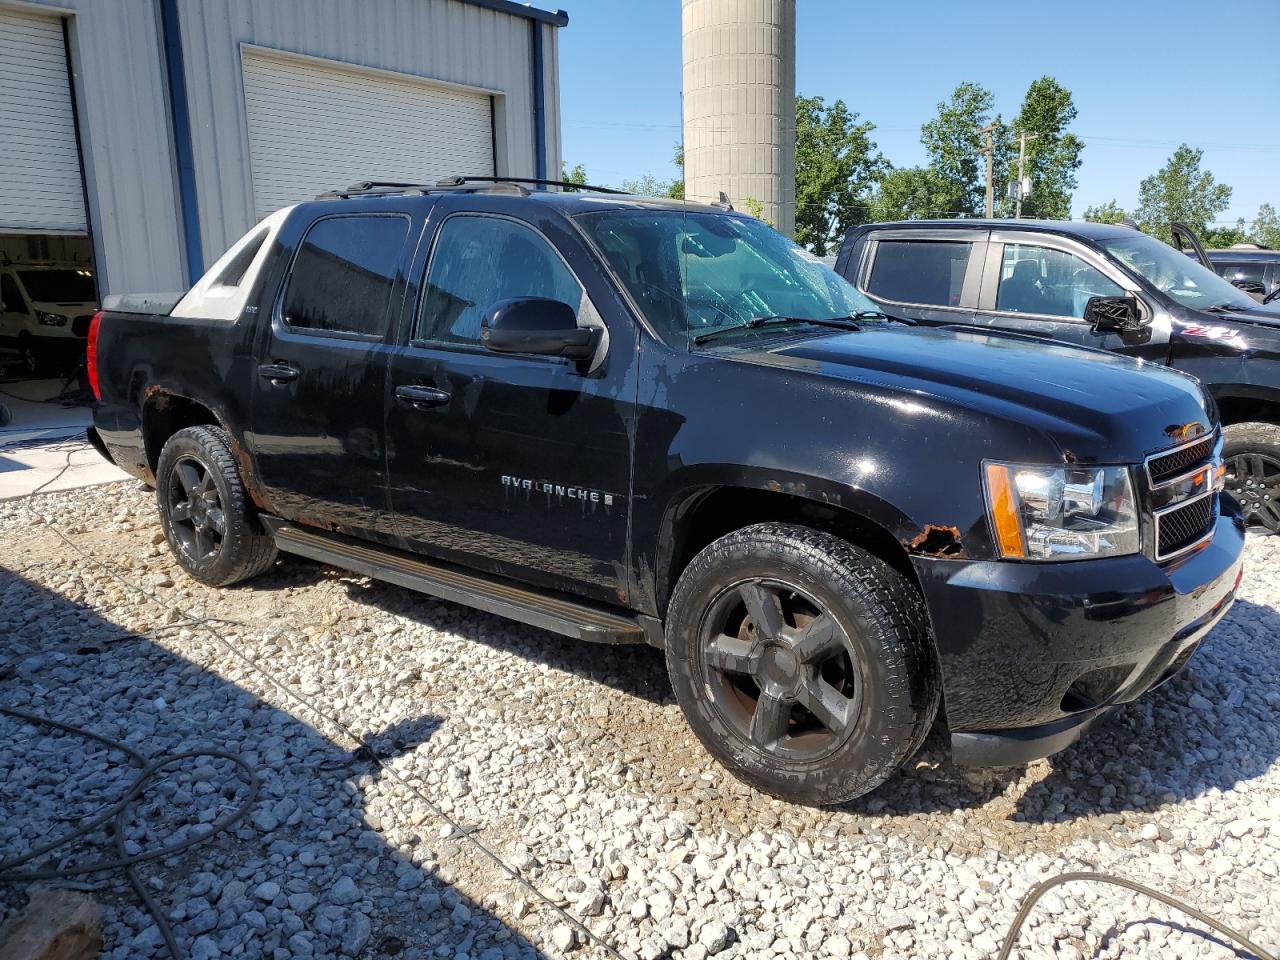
point(1094, 405)
point(1268, 314)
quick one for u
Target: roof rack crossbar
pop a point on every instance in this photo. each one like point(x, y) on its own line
point(460, 183)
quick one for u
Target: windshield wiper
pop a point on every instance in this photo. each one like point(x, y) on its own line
point(877, 315)
point(838, 323)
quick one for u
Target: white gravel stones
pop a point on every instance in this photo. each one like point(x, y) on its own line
point(574, 764)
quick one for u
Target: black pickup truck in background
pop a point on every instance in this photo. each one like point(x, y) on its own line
point(1098, 285)
point(633, 420)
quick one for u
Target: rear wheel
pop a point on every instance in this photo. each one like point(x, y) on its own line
point(802, 662)
point(33, 360)
point(1252, 455)
point(205, 511)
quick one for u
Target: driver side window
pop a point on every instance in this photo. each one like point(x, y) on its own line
point(1035, 279)
point(479, 260)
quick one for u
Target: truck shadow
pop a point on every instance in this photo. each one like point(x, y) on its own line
point(331, 860)
point(1155, 751)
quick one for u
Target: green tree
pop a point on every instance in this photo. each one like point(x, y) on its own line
point(1180, 192)
point(1266, 227)
point(1109, 212)
point(953, 144)
point(1053, 154)
point(677, 185)
point(913, 193)
point(1219, 238)
point(837, 164)
point(577, 175)
point(649, 186)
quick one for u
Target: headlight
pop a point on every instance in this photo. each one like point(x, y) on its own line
point(51, 319)
point(1061, 513)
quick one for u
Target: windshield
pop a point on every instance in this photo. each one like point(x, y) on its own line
point(1176, 274)
point(54, 286)
point(695, 273)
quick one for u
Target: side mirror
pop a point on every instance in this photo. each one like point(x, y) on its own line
point(536, 325)
point(1112, 314)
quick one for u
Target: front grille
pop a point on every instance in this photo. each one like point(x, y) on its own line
point(80, 325)
point(1181, 526)
point(1168, 465)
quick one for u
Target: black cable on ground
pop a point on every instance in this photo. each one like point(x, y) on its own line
point(1011, 938)
point(119, 811)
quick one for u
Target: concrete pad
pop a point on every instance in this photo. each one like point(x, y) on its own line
point(36, 413)
point(55, 465)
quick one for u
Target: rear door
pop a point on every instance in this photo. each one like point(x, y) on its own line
point(931, 276)
point(1039, 283)
point(317, 418)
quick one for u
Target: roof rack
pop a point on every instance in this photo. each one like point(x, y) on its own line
point(509, 185)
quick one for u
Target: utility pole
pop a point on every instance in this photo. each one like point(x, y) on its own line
point(1022, 171)
point(990, 151)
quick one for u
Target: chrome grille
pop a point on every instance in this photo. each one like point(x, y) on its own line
point(1164, 466)
point(1184, 525)
point(1183, 495)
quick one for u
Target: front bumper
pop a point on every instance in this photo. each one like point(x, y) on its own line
point(1032, 654)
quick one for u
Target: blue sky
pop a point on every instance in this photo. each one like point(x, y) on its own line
point(893, 62)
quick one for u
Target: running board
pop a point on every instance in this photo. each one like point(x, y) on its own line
point(572, 618)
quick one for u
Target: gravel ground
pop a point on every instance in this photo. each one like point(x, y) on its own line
point(574, 765)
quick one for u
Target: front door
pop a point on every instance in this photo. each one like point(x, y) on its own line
point(317, 420)
point(1040, 284)
point(519, 465)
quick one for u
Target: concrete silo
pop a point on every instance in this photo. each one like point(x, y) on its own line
point(739, 104)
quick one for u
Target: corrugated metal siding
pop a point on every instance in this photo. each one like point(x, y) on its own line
point(434, 39)
point(391, 127)
point(551, 99)
point(40, 186)
point(124, 133)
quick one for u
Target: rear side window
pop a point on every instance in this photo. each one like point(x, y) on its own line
point(343, 275)
point(920, 271)
point(480, 260)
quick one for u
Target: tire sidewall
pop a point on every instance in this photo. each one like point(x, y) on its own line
point(870, 754)
point(1242, 438)
point(189, 445)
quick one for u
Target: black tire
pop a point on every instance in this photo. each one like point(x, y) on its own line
point(875, 688)
point(34, 363)
point(205, 512)
point(1252, 455)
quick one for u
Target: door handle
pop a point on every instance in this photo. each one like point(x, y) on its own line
point(278, 373)
point(421, 397)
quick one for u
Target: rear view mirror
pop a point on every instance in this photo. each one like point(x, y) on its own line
point(1112, 314)
point(536, 325)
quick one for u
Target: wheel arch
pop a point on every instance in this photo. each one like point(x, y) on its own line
point(699, 515)
point(1246, 403)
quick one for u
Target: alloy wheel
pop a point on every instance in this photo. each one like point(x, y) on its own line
point(195, 510)
point(1254, 480)
point(780, 670)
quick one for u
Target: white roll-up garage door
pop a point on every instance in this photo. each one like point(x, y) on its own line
point(319, 125)
point(40, 185)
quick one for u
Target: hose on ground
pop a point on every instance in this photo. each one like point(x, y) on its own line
point(118, 811)
point(1011, 938)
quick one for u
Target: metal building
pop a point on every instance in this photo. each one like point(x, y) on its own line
point(150, 134)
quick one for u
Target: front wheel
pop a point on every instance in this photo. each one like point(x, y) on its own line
point(1251, 452)
point(205, 510)
point(802, 662)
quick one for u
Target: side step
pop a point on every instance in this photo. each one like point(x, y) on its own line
point(573, 618)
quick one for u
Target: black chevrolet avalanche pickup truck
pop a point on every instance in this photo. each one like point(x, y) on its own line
point(634, 421)
point(1099, 285)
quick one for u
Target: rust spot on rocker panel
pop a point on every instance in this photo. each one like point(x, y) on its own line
point(937, 541)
